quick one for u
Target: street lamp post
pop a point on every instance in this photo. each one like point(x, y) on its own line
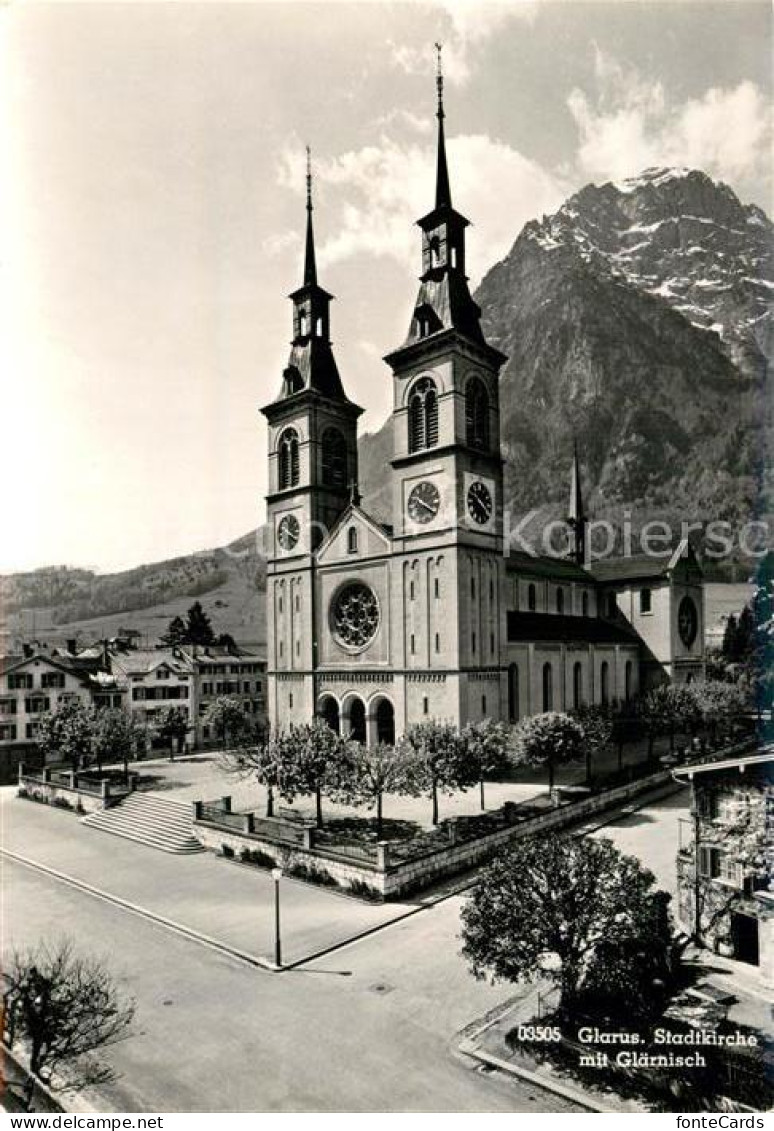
point(276, 875)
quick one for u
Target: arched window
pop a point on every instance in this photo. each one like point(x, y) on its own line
point(532, 598)
point(548, 687)
point(476, 414)
point(435, 251)
point(303, 323)
point(288, 459)
point(352, 540)
point(585, 604)
point(423, 416)
point(513, 693)
point(604, 683)
point(334, 458)
point(628, 675)
point(577, 685)
point(560, 600)
point(357, 721)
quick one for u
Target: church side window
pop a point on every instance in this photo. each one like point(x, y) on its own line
point(352, 540)
point(423, 416)
point(476, 414)
point(560, 600)
point(548, 688)
point(334, 458)
point(288, 459)
point(532, 598)
point(585, 604)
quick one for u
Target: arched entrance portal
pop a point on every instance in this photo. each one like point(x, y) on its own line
point(329, 713)
point(385, 722)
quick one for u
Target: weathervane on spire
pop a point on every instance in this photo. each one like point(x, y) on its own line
point(439, 77)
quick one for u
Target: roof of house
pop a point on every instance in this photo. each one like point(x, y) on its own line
point(63, 663)
point(634, 567)
point(142, 661)
point(567, 629)
point(765, 758)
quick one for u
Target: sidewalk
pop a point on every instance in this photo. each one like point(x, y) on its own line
point(228, 902)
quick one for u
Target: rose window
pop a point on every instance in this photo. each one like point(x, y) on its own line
point(355, 615)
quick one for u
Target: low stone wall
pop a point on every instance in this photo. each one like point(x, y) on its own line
point(395, 880)
point(69, 795)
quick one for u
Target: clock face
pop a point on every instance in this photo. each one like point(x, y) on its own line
point(423, 502)
point(687, 621)
point(479, 502)
point(288, 532)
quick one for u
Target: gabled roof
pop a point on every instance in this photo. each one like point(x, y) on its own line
point(354, 510)
point(646, 566)
point(539, 565)
point(566, 629)
point(143, 661)
point(66, 665)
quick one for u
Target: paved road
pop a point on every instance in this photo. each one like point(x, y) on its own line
point(651, 834)
point(370, 1028)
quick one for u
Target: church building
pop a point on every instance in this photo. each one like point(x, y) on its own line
point(374, 627)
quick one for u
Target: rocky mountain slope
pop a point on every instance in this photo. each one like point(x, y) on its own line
point(637, 319)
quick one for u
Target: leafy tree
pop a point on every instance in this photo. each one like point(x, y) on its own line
point(227, 719)
point(172, 725)
point(442, 759)
point(717, 703)
point(549, 906)
point(551, 739)
point(176, 633)
point(198, 628)
point(366, 773)
point(487, 745)
point(61, 1008)
point(597, 725)
point(227, 641)
point(256, 754)
point(66, 733)
point(114, 737)
point(666, 709)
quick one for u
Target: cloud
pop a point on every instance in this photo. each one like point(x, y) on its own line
point(629, 123)
point(464, 27)
point(374, 194)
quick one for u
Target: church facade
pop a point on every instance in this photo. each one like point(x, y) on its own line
point(375, 627)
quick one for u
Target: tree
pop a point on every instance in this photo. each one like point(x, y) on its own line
point(257, 755)
point(549, 904)
point(173, 725)
point(666, 709)
point(311, 757)
point(597, 725)
point(66, 733)
point(716, 702)
point(551, 739)
point(442, 759)
point(198, 628)
point(366, 773)
point(60, 1008)
point(176, 633)
point(487, 744)
point(227, 719)
point(114, 737)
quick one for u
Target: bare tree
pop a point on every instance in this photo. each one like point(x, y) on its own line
point(59, 1008)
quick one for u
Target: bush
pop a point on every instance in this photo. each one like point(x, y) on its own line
point(257, 858)
point(61, 803)
point(312, 874)
point(365, 891)
point(227, 851)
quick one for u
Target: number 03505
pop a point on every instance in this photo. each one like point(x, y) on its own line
point(539, 1033)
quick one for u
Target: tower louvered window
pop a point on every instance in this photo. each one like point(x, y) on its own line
point(289, 460)
point(476, 414)
point(423, 416)
point(334, 458)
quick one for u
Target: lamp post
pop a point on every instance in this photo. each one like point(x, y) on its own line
point(276, 875)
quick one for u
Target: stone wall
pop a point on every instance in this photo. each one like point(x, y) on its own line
point(394, 880)
point(59, 794)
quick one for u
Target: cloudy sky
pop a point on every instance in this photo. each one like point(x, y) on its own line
point(152, 200)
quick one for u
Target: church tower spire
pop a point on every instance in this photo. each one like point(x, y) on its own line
point(442, 189)
point(576, 517)
point(310, 261)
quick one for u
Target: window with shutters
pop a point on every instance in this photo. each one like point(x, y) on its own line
point(289, 459)
point(423, 416)
point(334, 458)
point(476, 414)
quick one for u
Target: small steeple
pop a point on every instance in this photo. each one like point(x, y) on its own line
point(442, 189)
point(576, 517)
point(310, 262)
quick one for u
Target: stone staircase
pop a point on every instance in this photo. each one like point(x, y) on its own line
point(149, 819)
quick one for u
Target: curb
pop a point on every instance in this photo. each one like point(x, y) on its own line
point(468, 1048)
point(143, 912)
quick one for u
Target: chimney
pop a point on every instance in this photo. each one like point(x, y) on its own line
point(27, 651)
point(72, 646)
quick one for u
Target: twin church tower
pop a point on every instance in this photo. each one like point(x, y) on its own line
point(374, 627)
